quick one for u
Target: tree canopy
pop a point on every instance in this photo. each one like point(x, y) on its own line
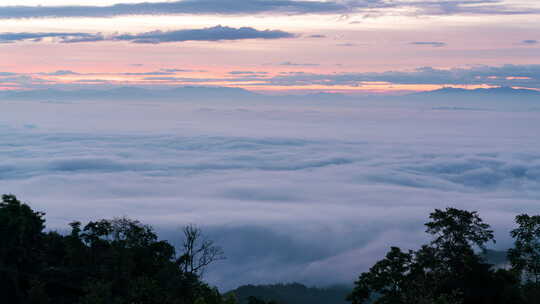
point(450, 269)
point(123, 261)
point(107, 261)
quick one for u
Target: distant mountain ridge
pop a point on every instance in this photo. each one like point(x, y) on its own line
point(296, 293)
point(130, 93)
point(480, 92)
point(482, 99)
point(446, 94)
point(292, 293)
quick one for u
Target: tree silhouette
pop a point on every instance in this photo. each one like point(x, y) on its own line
point(20, 239)
point(198, 252)
point(456, 233)
point(118, 261)
point(447, 270)
point(525, 257)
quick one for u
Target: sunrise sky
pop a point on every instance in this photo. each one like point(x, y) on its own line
point(271, 46)
point(296, 186)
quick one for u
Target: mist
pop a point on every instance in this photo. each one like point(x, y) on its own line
point(292, 190)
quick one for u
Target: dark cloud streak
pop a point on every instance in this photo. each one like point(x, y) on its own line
point(215, 33)
point(289, 63)
point(525, 76)
point(36, 37)
point(248, 7)
point(207, 34)
point(506, 75)
point(529, 42)
point(429, 43)
point(224, 7)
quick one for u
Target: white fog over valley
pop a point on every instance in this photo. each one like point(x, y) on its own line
point(290, 189)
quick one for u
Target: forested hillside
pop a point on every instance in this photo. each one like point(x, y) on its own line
point(106, 261)
point(293, 293)
point(122, 261)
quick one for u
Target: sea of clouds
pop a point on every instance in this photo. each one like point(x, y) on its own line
point(309, 192)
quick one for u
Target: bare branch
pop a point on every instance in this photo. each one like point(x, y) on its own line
point(198, 252)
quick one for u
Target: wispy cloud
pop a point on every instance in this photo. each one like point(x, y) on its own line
point(245, 7)
point(148, 73)
point(207, 34)
point(429, 43)
point(527, 76)
point(506, 75)
point(226, 7)
point(62, 37)
point(248, 73)
point(60, 73)
point(468, 7)
point(289, 63)
point(349, 44)
point(176, 70)
point(215, 33)
point(529, 42)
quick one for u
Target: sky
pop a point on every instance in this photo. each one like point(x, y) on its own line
point(270, 46)
point(312, 188)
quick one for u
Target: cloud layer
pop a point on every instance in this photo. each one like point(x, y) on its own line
point(429, 43)
point(177, 7)
point(215, 33)
point(296, 190)
point(506, 75)
point(244, 7)
point(36, 37)
point(520, 76)
point(208, 34)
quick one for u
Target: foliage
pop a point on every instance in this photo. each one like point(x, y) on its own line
point(122, 261)
point(447, 270)
point(20, 239)
point(107, 261)
point(292, 293)
point(455, 233)
point(525, 256)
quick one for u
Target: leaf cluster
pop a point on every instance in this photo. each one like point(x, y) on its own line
point(113, 261)
point(450, 269)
